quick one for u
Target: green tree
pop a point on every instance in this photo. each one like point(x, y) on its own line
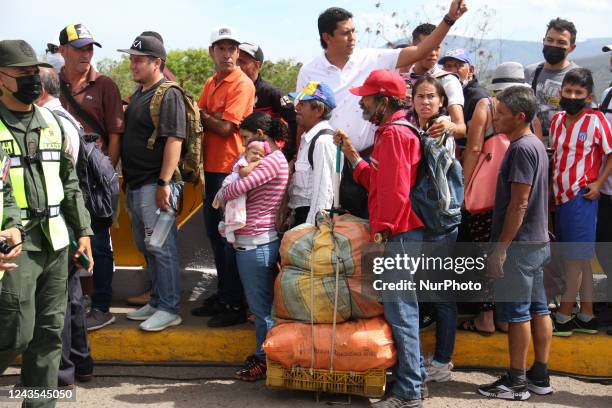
point(282, 73)
point(192, 67)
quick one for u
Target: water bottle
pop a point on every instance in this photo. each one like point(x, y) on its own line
point(165, 220)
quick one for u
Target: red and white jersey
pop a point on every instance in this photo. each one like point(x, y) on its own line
point(578, 152)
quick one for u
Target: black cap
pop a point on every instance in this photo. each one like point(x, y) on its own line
point(18, 53)
point(146, 45)
point(253, 50)
point(77, 35)
point(153, 34)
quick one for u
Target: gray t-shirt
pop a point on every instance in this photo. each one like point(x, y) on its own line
point(525, 162)
point(548, 92)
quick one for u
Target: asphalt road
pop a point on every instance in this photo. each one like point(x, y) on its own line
point(182, 387)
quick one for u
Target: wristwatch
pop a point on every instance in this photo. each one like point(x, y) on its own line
point(162, 182)
point(22, 231)
point(449, 21)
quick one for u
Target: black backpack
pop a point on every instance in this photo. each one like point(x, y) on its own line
point(98, 179)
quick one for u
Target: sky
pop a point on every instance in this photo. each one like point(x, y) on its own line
point(284, 28)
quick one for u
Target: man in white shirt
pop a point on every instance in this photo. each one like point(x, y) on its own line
point(76, 362)
point(49, 98)
point(311, 187)
point(342, 66)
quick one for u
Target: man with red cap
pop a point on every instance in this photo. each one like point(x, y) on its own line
point(389, 177)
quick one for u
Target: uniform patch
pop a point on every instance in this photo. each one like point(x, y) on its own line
point(582, 136)
point(7, 146)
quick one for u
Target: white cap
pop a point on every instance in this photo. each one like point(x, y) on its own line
point(224, 33)
point(606, 48)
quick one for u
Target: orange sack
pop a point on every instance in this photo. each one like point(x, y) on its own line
point(360, 345)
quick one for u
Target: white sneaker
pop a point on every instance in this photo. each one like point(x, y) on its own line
point(439, 374)
point(141, 314)
point(160, 321)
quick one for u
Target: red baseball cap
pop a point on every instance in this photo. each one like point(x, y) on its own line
point(384, 82)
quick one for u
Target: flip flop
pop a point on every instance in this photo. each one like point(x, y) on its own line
point(470, 326)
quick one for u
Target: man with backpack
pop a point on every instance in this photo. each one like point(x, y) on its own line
point(389, 179)
point(94, 100)
point(76, 362)
point(546, 77)
point(151, 150)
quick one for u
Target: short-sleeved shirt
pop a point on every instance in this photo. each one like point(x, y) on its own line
point(548, 91)
point(233, 97)
point(607, 186)
point(71, 126)
point(525, 162)
point(142, 165)
point(348, 115)
point(578, 152)
point(99, 96)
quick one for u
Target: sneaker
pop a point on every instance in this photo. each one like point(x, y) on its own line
point(424, 391)
point(83, 377)
point(141, 314)
point(160, 320)
point(562, 329)
point(210, 307)
point(229, 317)
point(425, 321)
point(590, 327)
point(439, 373)
point(540, 387)
point(396, 402)
point(139, 300)
point(504, 388)
point(254, 369)
point(97, 319)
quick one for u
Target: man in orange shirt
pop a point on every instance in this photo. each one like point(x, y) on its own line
point(227, 98)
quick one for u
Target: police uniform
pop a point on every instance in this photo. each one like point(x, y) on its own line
point(9, 211)
point(46, 189)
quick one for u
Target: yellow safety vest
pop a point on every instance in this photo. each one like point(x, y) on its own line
point(49, 154)
point(2, 196)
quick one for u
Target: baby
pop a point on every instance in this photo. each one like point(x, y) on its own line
point(235, 210)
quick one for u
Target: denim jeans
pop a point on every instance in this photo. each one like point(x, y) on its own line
point(403, 317)
point(256, 268)
point(446, 312)
point(162, 263)
point(228, 284)
point(102, 252)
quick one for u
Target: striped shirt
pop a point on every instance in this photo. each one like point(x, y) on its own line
point(578, 152)
point(264, 187)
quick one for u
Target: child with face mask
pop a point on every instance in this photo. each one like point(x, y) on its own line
point(581, 138)
point(235, 210)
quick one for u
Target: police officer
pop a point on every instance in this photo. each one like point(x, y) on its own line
point(9, 219)
point(45, 187)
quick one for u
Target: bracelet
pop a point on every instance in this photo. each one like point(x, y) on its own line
point(449, 21)
point(353, 165)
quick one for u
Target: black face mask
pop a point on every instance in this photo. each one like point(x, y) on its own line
point(554, 55)
point(572, 106)
point(29, 88)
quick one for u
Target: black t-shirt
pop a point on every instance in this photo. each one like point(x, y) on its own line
point(269, 99)
point(142, 165)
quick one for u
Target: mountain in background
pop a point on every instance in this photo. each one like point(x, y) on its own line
point(587, 54)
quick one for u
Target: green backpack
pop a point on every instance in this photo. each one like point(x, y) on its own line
point(190, 164)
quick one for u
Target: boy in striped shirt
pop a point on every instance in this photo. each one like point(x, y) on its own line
point(581, 140)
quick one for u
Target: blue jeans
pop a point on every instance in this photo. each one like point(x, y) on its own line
point(162, 263)
point(446, 312)
point(228, 284)
point(103, 270)
point(256, 268)
point(403, 317)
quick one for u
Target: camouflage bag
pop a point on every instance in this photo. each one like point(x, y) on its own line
point(189, 168)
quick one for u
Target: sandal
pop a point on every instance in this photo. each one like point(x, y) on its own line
point(470, 326)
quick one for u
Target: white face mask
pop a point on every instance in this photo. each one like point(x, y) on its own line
point(56, 60)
